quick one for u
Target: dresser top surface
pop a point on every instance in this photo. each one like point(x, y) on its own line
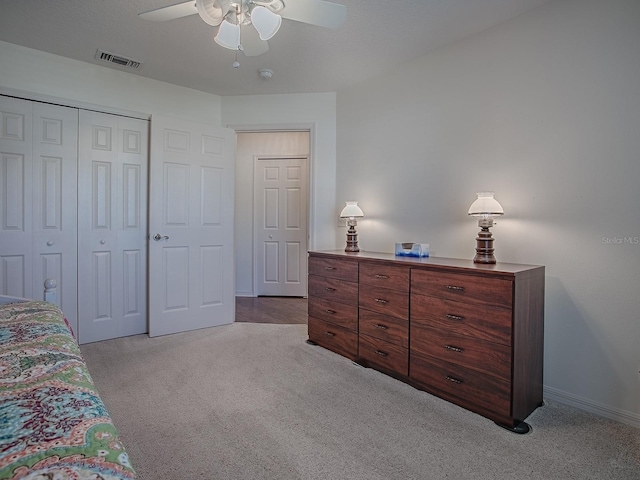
point(438, 262)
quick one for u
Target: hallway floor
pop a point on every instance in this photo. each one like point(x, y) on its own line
point(282, 310)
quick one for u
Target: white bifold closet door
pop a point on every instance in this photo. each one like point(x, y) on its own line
point(112, 226)
point(38, 204)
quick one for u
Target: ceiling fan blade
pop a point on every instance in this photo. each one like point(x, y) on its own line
point(169, 13)
point(252, 45)
point(315, 12)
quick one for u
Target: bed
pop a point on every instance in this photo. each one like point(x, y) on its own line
point(53, 424)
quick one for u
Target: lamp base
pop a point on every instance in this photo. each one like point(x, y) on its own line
point(352, 240)
point(484, 247)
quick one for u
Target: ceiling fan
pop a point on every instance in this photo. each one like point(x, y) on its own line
point(233, 17)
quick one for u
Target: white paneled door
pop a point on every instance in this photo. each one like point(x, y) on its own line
point(112, 226)
point(280, 226)
point(38, 205)
point(16, 197)
point(191, 255)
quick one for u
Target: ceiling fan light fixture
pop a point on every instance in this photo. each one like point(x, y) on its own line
point(228, 36)
point(265, 22)
point(213, 11)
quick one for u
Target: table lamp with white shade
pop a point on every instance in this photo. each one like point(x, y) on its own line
point(485, 207)
point(352, 212)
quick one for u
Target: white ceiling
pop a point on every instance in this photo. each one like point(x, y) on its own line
point(377, 36)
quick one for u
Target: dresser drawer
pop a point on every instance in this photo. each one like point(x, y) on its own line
point(384, 355)
point(386, 276)
point(383, 300)
point(480, 355)
point(333, 290)
point(335, 338)
point(385, 327)
point(461, 385)
point(334, 268)
point(464, 288)
point(334, 312)
point(479, 321)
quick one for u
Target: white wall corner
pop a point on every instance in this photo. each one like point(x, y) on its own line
point(560, 396)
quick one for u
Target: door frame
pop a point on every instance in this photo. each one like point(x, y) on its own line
point(280, 128)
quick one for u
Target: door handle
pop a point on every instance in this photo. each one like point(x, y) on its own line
point(157, 237)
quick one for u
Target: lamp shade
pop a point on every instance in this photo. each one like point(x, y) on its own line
point(351, 210)
point(265, 21)
point(228, 35)
point(485, 206)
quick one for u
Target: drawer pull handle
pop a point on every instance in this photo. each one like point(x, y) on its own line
point(329, 289)
point(450, 316)
point(329, 268)
point(454, 287)
point(381, 300)
point(331, 334)
point(453, 349)
point(332, 312)
point(453, 379)
point(381, 353)
point(381, 276)
point(381, 327)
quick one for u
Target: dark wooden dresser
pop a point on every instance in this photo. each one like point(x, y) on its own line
point(469, 333)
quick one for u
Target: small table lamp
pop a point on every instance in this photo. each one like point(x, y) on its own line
point(351, 211)
point(485, 208)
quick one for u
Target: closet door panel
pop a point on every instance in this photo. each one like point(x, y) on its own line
point(16, 152)
point(101, 280)
point(13, 275)
point(13, 192)
point(55, 185)
point(132, 235)
point(97, 166)
point(38, 184)
point(112, 223)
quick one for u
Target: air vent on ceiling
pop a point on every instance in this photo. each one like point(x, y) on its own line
point(117, 59)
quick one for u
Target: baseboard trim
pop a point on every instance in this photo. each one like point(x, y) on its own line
point(605, 411)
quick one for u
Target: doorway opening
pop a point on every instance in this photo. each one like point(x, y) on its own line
point(272, 202)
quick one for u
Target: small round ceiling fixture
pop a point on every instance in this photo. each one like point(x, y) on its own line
point(265, 73)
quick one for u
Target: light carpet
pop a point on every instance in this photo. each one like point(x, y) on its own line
point(254, 401)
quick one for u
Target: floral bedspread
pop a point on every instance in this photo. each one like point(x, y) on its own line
point(53, 424)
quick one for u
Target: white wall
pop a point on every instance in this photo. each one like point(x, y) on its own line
point(545, 111)
point(248, 145)
point(43, 74)
point(316, 111)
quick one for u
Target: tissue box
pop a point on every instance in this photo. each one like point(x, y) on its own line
point(412, 249)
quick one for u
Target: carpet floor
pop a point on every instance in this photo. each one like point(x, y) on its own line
point(254, 401)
